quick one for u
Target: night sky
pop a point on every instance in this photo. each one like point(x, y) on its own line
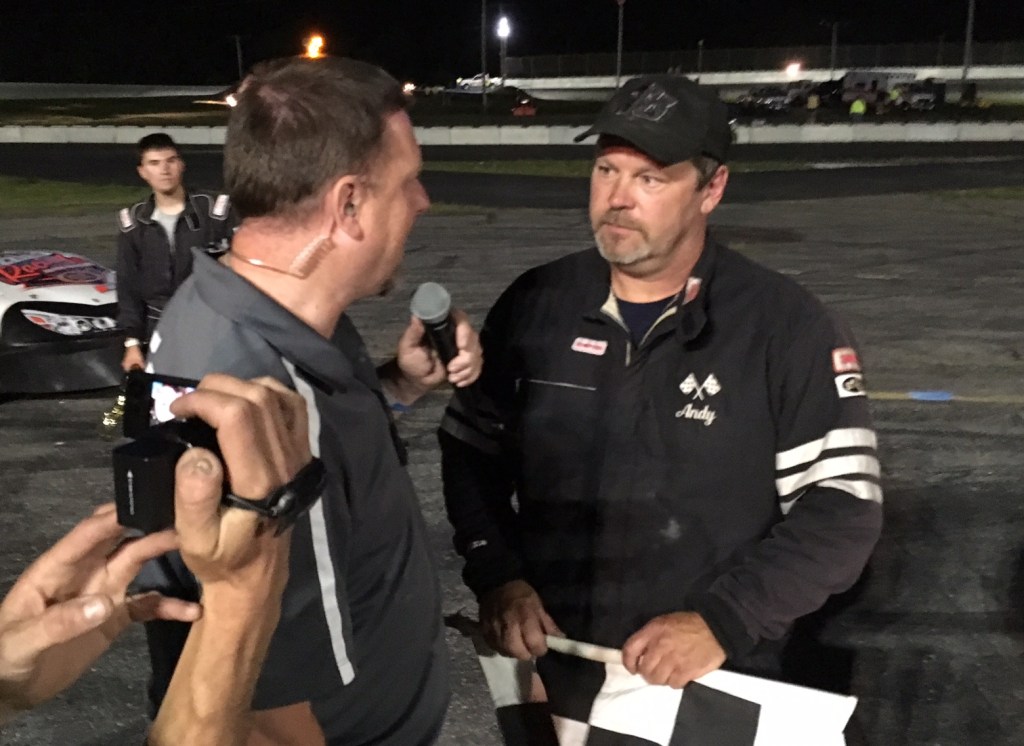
point(190, 41)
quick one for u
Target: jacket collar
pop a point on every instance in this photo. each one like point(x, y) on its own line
point(144, 213)
point(235, 298)
point(690, 305)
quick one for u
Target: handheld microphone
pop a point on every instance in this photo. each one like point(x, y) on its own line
point(432, 305)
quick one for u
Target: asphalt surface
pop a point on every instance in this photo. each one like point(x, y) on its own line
point(933, 285)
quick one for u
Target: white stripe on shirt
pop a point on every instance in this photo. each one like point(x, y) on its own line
point(321, 545)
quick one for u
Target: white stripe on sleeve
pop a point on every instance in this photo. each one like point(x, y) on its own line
point(321, 546)
point(840, 466)
point(850, 437)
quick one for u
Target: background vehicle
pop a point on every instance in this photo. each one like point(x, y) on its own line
point(830, 93)
point(767, 99)
point(872, 84)
point(58, 329)
point(922, 95)
point(476, 83)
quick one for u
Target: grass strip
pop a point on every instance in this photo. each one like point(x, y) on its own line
point(32, 197)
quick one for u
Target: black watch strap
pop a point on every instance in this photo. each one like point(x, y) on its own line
point(290, 501)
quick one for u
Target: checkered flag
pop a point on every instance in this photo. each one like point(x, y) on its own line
point(602, 704)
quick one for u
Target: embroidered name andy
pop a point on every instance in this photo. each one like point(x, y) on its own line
point(706, 414)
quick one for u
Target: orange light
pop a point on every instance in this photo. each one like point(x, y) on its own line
point(315, 47)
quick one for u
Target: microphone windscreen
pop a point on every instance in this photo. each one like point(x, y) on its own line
point(431, 303)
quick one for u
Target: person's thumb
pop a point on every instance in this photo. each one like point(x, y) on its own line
point(412, 336)
point(198, 486)
point(58, 624)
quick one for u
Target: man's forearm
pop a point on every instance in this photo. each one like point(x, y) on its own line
point(211, 692)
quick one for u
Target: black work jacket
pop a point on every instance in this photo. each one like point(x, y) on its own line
point(726, 465)
point(148, 271)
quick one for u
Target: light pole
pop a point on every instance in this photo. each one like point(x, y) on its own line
point(968, 41)
point(238, 54)
point(504, 31)
point(618, 53)
point(833, 58)
point(700, 58)
point(483, 52)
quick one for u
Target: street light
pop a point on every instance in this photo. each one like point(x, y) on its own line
point(315, 47)
point(504, 31)
point(834, 55)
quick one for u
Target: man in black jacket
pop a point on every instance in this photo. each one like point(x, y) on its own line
point(686, 433)
point(154, 247)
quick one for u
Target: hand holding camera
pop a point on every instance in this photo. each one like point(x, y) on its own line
point(67, 608)
point(263, 438)
point(166, 416)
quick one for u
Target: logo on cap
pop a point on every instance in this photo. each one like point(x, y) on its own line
point(653, 104)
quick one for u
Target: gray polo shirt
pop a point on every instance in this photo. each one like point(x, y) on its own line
point(360, 634)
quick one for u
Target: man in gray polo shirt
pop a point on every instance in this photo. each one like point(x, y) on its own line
point(323, 167)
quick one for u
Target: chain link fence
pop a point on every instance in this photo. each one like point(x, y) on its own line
point(767, 58)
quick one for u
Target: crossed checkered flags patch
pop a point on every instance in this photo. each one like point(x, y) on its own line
point(605, 705)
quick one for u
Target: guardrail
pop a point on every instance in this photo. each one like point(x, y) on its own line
point(562, 135)
point(42, 91)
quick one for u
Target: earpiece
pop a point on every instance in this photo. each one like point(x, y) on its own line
point(350, 209)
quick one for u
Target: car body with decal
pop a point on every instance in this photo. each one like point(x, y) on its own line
point(58, 323)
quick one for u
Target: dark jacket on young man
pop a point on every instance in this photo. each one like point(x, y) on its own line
point(149, 269)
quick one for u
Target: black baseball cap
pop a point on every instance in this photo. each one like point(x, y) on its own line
point(668, 117)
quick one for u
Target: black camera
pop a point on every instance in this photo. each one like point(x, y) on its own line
point(144, 466)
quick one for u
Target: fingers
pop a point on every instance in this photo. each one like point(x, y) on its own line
point(104, 509)
point(146, 607)
point(515, 622)
point(95, 536)
point(198, 485)
point(633, 650)
point(549, 626)
point(132, 360)
point(465, 367)
point(532, 636)
point(465, 337)
point(520, 636)
point(58, 624)
point(413, 335)
point(673, 650)
point(126, 561)
point(261, 430)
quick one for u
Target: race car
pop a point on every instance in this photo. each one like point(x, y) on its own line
point(58, 329)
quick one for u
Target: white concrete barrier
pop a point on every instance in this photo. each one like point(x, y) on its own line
point(564, 135)
point(475, 135)
point(91, 135)
point(765, 134)
point(524, 135)
point(434, 135)
point(44, 134)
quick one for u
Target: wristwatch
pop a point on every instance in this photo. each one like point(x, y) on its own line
point(289, 501)
point(131, 342)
